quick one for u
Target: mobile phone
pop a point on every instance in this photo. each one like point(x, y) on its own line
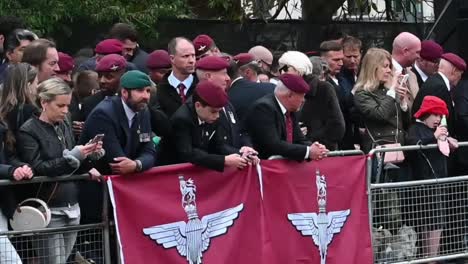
point(97, 138)
point(404, 79)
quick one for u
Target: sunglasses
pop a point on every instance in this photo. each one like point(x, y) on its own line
point(25, 34)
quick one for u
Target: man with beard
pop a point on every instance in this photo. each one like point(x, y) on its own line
point(128, 35)
point(264, 58)
point(178, 85)
point(124, 122)
point(110, 68)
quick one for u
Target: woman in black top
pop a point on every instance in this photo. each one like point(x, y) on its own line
point(47, 144)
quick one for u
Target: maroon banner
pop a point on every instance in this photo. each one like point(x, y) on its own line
point(154, 198)
point(298, 231)
point(309, 211)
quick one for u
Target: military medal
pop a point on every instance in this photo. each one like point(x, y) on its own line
point(144, 137)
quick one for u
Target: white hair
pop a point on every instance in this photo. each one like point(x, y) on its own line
point(298, 60)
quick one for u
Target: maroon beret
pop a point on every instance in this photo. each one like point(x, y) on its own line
point(109, 46)
point(430, 50)
point(212, 63)
point(202, 44)
point(294, 83)
point(212, 94)
point(243, 58)
point(111, 63)
point(158, 59)
point(65, 63)
point(456, 61)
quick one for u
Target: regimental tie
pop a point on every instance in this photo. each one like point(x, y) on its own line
point(289, 127)
point(181, 89)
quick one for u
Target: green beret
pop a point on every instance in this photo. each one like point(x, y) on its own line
point(135, 80)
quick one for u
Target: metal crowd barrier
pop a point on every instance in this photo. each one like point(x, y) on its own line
point(407, 218)
point(92, 245)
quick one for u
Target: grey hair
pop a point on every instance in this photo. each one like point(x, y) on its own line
point(51, 88)
point(319, 65)
point(200, 74)
point(281, 89)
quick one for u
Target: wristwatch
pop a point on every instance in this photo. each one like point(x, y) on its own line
point(139, 166)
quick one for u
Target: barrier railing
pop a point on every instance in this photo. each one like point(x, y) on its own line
point(89, 243)
point(416, 221)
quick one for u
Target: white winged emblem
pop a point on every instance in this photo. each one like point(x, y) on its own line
point(322, 226)
point(193, 238)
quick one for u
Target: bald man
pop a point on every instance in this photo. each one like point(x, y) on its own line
point(264, 57)
point(405, 51)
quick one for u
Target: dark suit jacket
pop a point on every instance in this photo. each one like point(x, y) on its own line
point(167, 97)
point(191, 142)
point(110, 119)
point(243, 93)
point(89, 103)
point(230, 130)
point(461, 129)
point(322, 116)
point(139, 59)
point(266, 125)
point(436, 86)
point(346, 101)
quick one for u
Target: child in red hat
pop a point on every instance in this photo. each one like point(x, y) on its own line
point(428, 204)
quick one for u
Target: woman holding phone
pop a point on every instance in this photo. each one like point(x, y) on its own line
point(47, 144)
point(381, 100)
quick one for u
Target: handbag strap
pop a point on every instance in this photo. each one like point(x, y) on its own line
point(396, 130)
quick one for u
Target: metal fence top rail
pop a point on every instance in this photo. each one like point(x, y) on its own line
point(418, 182)
point(40, 179)
point(340, 153)
point(412, 147)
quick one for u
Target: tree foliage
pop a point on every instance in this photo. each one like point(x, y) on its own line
point(46, 16)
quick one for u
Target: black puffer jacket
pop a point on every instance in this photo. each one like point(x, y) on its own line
point(42, 146)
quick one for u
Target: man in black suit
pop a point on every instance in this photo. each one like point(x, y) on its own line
point(461, 129)
point(442, 85)
point(110, 68)
point(125, 122)
point(178, 85)
point(214, 69)
point(428, 62)
point(273, 125)
point(332, 53)
point(195, 136)
point(243, 92)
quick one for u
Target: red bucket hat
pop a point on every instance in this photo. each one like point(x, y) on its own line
point(432, 105)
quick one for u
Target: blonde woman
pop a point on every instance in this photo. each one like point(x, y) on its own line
point(380, 100)
point(47, 144)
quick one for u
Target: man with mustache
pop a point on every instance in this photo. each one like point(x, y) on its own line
point(124, 120)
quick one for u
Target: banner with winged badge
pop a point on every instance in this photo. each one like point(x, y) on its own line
point(184, 214)
point(317, 211)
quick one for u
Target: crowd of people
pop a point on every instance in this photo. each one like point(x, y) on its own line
point(120, 110)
